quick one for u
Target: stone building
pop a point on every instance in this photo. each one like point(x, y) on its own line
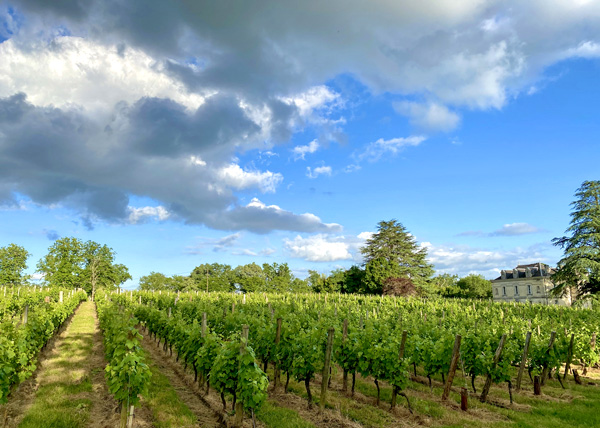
point(527, 283)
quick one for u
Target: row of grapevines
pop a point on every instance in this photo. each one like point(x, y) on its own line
point(225, 362)
point(127, 372)
point(21, 342)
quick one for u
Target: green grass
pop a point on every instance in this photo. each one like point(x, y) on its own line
point(168, 410)
point(275, 416)
point(62, 400)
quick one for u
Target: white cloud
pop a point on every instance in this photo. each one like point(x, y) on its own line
point(464, 259)
point(258, 217)
point(234, 176)
point(301, 151)
point(327, 247)
point(429, 116)
point(76, 71)
point(381, 147)
point(142, 214)
point(314, 98)
point(365, 235)
point(317, 248)
point(513, 229)
point(320, 170)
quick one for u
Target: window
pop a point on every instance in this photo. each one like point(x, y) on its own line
point(496, 291)
point(528, 288)
point(538, 289)
point(516, 290)
point(504, 291)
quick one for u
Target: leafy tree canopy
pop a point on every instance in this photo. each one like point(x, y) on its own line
point(580, 266)
point(394, 248)
point(13, 261)
point(73, 263)
point(215, 276)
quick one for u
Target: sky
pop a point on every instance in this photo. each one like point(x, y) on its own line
point(180, 133)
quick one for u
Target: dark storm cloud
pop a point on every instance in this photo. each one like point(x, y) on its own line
point(162, 127)
point(60, 156)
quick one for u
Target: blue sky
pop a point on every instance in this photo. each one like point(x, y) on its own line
point(182, 134)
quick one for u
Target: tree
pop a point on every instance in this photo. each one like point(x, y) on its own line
point(63, 265)
point(249, 278)
point(474, 287)
point(13, 261)
point(154, 281)
point(279, 277)
point(580, 266)
point(99, 269)
point(215, 277)
point(444, 284)
point(72, 263)
point(394, 248)
point(353, 280)
point(399, 287)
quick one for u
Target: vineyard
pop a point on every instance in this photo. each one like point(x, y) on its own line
point(341, 360)
point(28, 319)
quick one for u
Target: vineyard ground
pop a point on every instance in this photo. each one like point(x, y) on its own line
point(574, 406)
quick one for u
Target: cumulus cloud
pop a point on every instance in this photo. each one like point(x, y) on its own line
point(301, 151)
point(374, 151)
point(514, 229)
point(261, 218)
point(317, 248)
point(141, 214)
point(234, 176)
point(320, 170)
point(327, 247)
point(464, 259)
point(430, 116)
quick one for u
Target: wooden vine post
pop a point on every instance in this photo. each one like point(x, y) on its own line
point(453, 365)
point(545, 369)
point(395, 391)
point(488, 380)
point(326, 366)
point(344, 338)
point(569, 357)
point(239, 406)
point(523, 360)
point(277, 340)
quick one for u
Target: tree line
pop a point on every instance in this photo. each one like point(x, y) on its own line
point(394, 265)
point(70, 263)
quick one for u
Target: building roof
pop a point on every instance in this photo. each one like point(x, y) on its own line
point(521, 271)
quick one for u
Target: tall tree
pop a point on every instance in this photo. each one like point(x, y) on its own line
point(63, 265)
point(13, 261)
point(579, 268)
point(395, 249)
point(99, 269)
